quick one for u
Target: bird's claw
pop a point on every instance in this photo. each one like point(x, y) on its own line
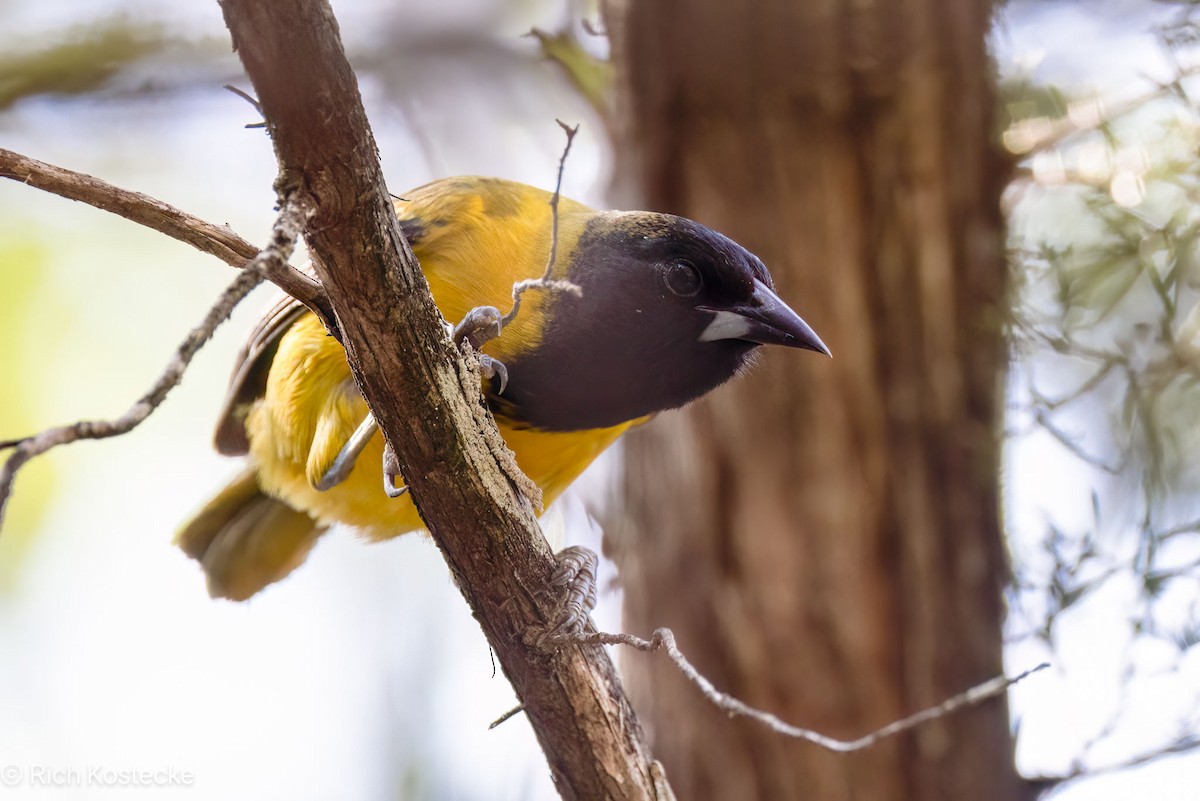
point(343, 463)
point(391, 470)
point(481, 325)
point(493, 368)
point(575, 580)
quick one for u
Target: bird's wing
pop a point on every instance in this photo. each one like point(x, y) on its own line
point(248, 381)
point(474, 238)
point(249, 378)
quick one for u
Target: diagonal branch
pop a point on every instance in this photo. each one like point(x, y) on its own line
point(426, 397)
point(216, 240)
point(271, 259)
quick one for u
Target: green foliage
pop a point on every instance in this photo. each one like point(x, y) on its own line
point(592, 77)
point(84, 61)
point(1104, 232)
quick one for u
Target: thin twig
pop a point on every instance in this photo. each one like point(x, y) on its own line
point(1067, 441)
point(1191, 527)
point(215, 240)
point(1186, 743)
point(271, 258)
point(244, 95)
point(1065, 128)
point(249, 98)
point(510, 713)
point(546, 283)
point(272, 261)
point(664, 639)
point(143, 209)
point(1097, 378)
point(562, 164)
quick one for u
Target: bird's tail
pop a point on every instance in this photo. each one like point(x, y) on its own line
point(245, 539)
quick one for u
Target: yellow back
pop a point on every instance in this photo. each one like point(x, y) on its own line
point(474, 238)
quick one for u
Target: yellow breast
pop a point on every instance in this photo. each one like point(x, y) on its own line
point(310, 409)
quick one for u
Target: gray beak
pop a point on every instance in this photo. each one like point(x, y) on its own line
point(764, 319)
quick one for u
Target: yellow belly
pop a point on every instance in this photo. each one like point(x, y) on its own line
point(310, 409)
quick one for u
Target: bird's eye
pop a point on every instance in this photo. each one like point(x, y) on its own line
point(682, 278)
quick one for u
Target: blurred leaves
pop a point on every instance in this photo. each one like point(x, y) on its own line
point(591, 76)
point(85, 60)
point(22, 266)
point(1104, 229)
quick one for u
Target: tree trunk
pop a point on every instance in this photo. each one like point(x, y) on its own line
point(823, 535)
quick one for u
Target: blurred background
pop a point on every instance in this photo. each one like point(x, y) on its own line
point(363, 676)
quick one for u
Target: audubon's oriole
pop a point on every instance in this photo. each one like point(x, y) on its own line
point(669, 310)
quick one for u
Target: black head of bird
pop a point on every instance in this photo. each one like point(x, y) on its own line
point(669, 310)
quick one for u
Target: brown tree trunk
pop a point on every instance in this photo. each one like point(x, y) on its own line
point(823, 535)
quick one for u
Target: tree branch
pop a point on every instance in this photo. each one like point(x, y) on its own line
point(546, 283)
point(271, 259)
point(426, 398)
point(664, 639)
point(216, 240)
point(1045, 786)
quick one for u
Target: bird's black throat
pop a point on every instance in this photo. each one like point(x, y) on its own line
point(628, 347)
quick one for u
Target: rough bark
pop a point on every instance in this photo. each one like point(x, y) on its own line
point(823, 535)
point(425, 399)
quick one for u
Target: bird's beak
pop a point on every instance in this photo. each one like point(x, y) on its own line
point(764, 319)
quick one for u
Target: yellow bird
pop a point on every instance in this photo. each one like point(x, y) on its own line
point(669, 310)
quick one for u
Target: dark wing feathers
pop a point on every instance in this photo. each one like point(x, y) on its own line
point(249, 379)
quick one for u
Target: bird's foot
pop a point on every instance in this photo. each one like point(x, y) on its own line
point(391, 471)
point(346, 458)
point(482, 324)
point(575, 582)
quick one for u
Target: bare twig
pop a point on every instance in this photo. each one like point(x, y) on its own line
point(277, 252)
point(664, 639)
point(1096, 379)
point(1190, 527)
point(1067, 441)
point(1048, 785)
point(1065, 128)
point(244, 95)
point(509, 714)
point(562, 165)
point(216, 240)
point(546, 283)
point(272, 260)
point(249, 98)
point(150, 212)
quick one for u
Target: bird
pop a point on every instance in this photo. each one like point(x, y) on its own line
point(666, 310)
